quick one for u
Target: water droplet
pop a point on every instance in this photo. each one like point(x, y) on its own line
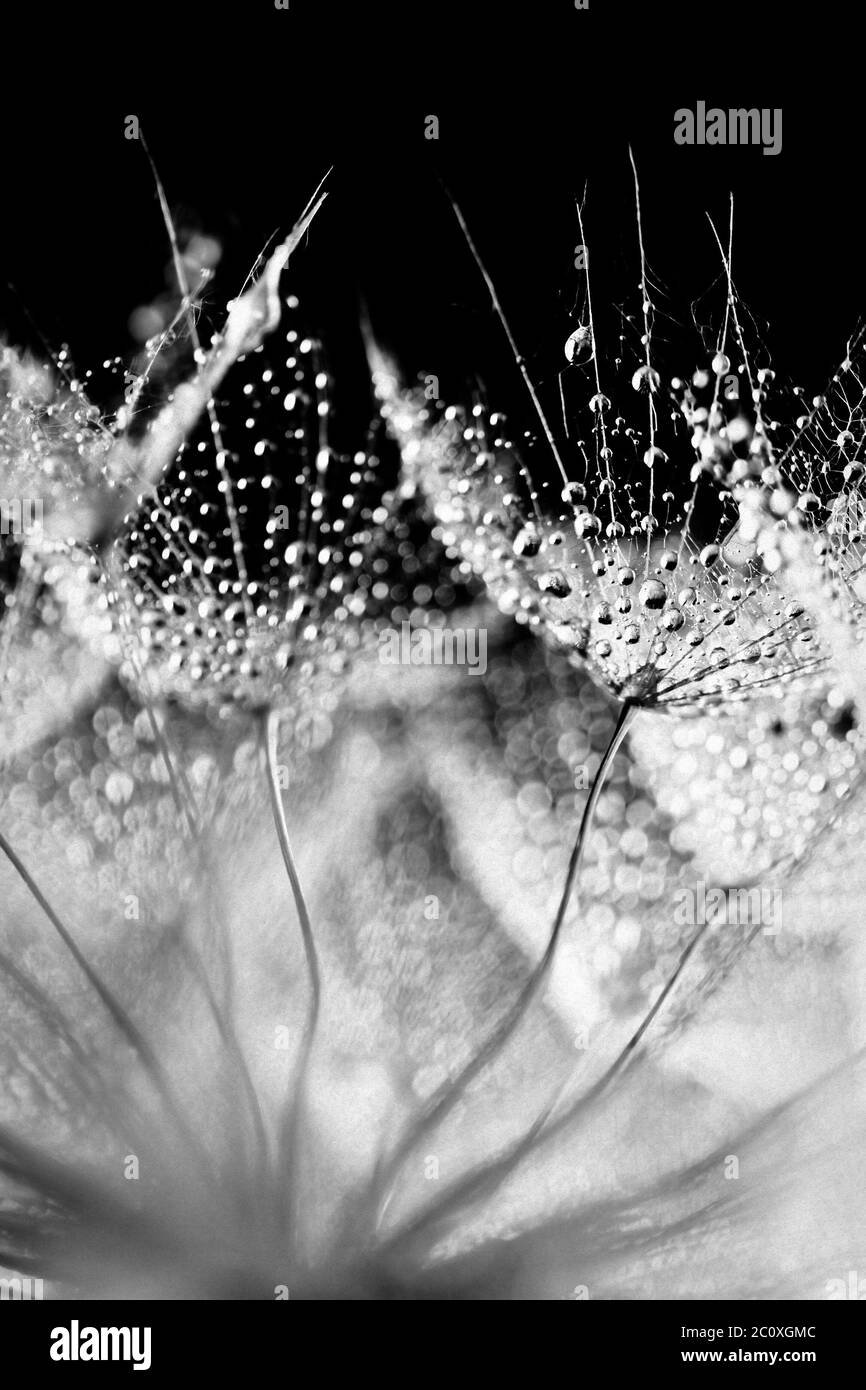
point(646, 379)
point(555, 584)
point(527, 542)
point(587, 524)
point(652, 594)
point(574, 493)
point(808, 502)
point(578, 346)
point(119, 787)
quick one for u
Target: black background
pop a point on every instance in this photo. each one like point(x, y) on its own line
point(244, 107)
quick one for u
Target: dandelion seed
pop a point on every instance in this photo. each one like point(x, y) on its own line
point(727, 634)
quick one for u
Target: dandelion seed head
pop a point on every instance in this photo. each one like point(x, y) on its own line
point(619, 588)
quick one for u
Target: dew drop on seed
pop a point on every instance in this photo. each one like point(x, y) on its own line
point(652, 594)
point(574, 493)
point(555, 584)
point(587, 524)
point(578, 346)
point(645, 379)
point(673, 620)
point(527, 542)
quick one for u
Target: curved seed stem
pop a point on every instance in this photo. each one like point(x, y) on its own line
point(485, 1178)
point(119, 1015)
point(446, 1097)
point(289, 1142)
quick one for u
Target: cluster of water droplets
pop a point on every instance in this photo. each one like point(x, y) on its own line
point(254, 565)
point(240, 580)
point(531, 743)
point(745, 789)
point(54, 445)
point(807, 497)
point(63, 469)
point(638, 568)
